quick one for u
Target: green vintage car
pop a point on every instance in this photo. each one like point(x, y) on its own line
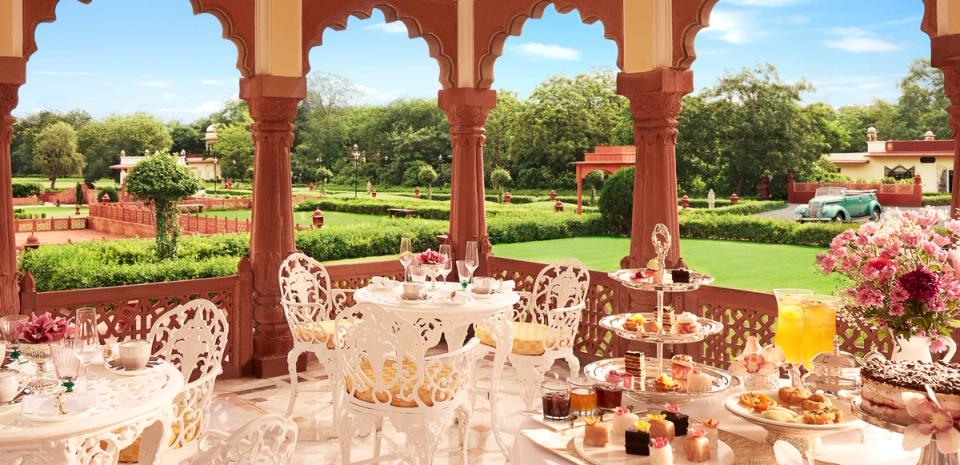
point(840, 204)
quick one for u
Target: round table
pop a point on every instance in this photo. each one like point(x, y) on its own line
point(127, 407)
point(453, 320)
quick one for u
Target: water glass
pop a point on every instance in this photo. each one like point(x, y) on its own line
point(87, 337)
point(406, 255)
point(8, 327)
point(418, 273)
point(66, 362)
point(556, 400)
point(464, 273)
point(444, 268)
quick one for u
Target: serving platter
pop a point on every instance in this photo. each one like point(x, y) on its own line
point(614, 453)
point(626, 277)
point(615, 323)
point(646, 393)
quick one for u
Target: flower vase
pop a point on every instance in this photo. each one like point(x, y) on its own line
point(39, 354)
point(917, 348)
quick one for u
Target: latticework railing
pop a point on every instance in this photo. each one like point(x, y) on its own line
point(189, 224)
point(51, 224)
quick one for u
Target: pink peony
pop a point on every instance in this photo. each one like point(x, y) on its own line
point(429, 257)
point(921, 284)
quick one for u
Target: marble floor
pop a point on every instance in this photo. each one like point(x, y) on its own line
point(240, 400)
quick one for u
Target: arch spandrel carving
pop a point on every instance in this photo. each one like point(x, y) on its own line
point(432, 20)
point(235, 16)
point(689, 17)
point(496, 20)
point(929, 22)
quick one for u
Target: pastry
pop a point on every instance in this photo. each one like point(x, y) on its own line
point(680, 275)
point(636, 439)
point(780, 414)
point(816, 402)
point(622, 419)
point(885, 381)
point(696, 446)
point(651, 326)
point(680, 421)
point(625, 379)
point(713, 434)
point(792, 395)
point(635, 363)
point(668, 320)
point(660, 452)
point(680, 366)
point(699, 382)
point(660, 427)
point(665, 383)
point(634, 322)
point(595, 434)
point(687, 323)
point(824, 416)
point(756, 401)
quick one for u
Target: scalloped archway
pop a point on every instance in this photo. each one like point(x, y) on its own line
point(427, 20)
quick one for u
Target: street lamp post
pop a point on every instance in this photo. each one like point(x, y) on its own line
point(358, 157)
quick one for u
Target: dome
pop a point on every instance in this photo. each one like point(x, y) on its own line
point(212, 128)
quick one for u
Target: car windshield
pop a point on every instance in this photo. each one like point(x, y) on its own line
point(829, 191)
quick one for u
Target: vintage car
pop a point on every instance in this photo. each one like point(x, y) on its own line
point(840, 204)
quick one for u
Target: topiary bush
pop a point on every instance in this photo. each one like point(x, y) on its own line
point(26, 190)
point(159, 180)
point(111, 194)
point(616, 201)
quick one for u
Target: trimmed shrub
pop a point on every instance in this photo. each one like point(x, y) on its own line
point(936, 199)
point(741, 208)
point(616, 201)
point(26, 190)
point(765, 230)
point(111, 193)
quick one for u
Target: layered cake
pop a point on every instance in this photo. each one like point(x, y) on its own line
point(634, 362)
point(884, 381)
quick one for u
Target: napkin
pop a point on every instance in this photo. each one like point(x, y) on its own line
point(380, 282)
point(46, 406)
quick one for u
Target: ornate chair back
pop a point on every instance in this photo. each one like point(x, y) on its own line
point(306, 298)
point(560, 285)
point(269, 440)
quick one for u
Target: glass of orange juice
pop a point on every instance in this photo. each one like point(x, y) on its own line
point(790, 337)
point(819, 325)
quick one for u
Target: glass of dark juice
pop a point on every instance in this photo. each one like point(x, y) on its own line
point(556, 400)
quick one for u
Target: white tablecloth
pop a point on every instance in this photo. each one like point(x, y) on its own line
point(881, 447)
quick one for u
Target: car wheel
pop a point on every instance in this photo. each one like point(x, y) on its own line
point(875, 216)
point(840, 218)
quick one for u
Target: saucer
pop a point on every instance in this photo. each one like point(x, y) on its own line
point(114, 366)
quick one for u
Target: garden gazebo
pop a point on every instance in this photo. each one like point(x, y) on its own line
point(655, 41)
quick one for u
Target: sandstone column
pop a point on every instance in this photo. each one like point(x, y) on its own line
point(951, 84)
point(467, 111)
point(273, 106)
point(9, 288)
point(655, 98)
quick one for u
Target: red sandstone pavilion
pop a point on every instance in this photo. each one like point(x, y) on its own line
point(655, 41)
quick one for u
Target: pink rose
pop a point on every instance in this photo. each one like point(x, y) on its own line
point(880, 267)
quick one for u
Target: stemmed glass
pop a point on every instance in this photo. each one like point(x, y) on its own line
point(8, 327)
point(66, 362)
point(444, 268)
point(464, 273)
point(790, 334)
point(406, 255)
point(87, 337)
point(471, 257)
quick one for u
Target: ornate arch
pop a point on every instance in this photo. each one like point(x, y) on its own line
point(689, 17)
point(432, 20)
point(498, 19)
point(236, 17)
point(929, 22)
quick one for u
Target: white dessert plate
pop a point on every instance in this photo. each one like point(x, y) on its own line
point(43, 408)
point(615, 453)
point(732, 403)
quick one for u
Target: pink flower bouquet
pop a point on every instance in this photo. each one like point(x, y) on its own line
point(430, 257)
point(904, 274)
point(44, 329)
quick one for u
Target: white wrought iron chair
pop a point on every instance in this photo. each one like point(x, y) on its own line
point(269, 440)
point(545, 325)
point(387, 373)
point(310, 307)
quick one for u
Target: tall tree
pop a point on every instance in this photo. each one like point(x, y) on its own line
point(55, 152)
point(185, 137)
point(25, 131)
point(102, 141)
point(234, 148)
point(922, 105)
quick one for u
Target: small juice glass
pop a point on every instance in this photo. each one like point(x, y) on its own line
point(556, 400)
point(583, 396)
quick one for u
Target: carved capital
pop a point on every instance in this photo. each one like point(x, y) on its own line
point(467, 109)
point(655, 100)
point(9, 97)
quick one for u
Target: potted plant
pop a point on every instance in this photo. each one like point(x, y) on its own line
point(904, 277)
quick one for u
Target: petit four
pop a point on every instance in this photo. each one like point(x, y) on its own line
point(595, 433)
point(680, 275)
point(660, 427)
point(680, 421)
point(617, 377)
point(713, 434)
point(696, 446)
point(699, 382)
point(660, 452)
point(635, 363)
point(634, 322)
point(636, 438)
point(687, 323)
point(680, 366)
point(622, 419)
point(665, 383)
point(756, 401)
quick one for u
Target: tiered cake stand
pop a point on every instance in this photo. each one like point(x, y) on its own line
point(929, 455)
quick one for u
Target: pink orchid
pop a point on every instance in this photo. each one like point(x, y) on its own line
point(757, 359)
point(659, 442)
point(933, 421)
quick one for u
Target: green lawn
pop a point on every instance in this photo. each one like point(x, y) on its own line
point(62, 183)
point(744, 265)
point(53, 211)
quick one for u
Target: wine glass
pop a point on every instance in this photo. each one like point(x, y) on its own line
point(406, 255)
point(445, 267)
point(87, 337)
point(790, 334)
point(418, 273)
point(464, 273)
point(8, 328)
point(471, 257)
point(66, 362)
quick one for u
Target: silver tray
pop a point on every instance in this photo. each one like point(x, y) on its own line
point(598, 371)
point(874, 420)
point(614, 323)
point(697, 279)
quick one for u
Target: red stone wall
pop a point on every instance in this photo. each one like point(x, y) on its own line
point(889, 195)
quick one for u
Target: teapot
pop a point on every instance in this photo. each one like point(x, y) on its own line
point(837, 370)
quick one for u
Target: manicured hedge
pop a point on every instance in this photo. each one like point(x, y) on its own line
point(936, 199)
point(741, 208)
point(766, 230)
point(26, 190)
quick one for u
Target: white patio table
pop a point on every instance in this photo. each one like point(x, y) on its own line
point(126, 408)
point(439, 317)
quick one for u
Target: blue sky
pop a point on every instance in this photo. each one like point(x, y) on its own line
point(120, 56)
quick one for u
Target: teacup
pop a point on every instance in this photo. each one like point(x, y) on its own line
point(412, 291)
point(9, 385)
point(134, 355)
point(483, 284)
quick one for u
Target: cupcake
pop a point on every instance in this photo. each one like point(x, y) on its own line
point(680, 366)
point(660, 452)
point(660, 427)
point(636, 438)
point(696, 446)
point(680, 421)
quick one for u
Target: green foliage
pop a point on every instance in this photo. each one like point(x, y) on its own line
point(111, 193)
point(78, 197)
point(499, 179)
point(55, 152)
point(25, 131)
point(427, 175)
point(26, 190)
point(102, 141)
point(742, 208)
point(754, 229)
point(616, 201)
point(21, 214)
point(593, 181)
point(160, 181)
point(936, 199)
point(186, 137)
point(234, 148)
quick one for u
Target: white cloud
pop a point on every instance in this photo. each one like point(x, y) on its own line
point(213, 82)
point(395, 27)
point(732, 27)
point(767, 3)
point(797, 19)
point(858, 40)
point(156, 83)
point(66, 73)
point(546, 51)
point(366, 91)
point(844, 90)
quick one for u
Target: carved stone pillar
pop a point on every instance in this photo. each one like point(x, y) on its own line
point(467, 111)
point(273, 105)
point(9, 288)
point(951, 84)
point(654, 103)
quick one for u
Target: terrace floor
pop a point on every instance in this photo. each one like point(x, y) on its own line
point(242, 400)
